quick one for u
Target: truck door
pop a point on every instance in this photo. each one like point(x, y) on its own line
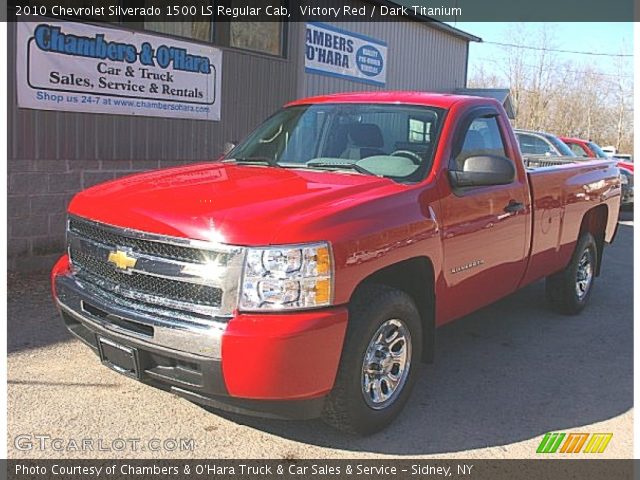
point(485, 229)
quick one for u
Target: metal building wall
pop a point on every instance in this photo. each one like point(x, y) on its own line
point(420, 57)
point(53, 155)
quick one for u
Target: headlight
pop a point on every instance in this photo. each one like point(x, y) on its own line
point(287, 278)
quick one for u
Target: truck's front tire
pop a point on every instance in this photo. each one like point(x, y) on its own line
point(568, 291)
point(378, 367)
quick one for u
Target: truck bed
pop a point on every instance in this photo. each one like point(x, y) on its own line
point(561, 191)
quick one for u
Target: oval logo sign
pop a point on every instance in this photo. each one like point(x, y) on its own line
point(369, 60)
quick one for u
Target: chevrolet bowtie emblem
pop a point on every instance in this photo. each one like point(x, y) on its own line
point(121, 260)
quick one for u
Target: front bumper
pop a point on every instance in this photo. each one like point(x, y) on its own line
point(274, 365)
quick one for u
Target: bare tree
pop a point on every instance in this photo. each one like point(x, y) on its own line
point(565, 98)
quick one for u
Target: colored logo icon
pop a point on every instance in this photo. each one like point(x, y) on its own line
point(574, 443)
point(369, 60)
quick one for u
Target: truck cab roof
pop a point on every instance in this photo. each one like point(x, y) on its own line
point(442, 100)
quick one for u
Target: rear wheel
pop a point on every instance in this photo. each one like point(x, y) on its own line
point(379, 361)
point(568, 291)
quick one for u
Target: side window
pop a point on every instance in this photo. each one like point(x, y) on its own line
point(577, 149)
point(481, 138)
point(532, 145)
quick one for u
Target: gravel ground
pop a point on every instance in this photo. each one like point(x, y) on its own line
point(503, 377)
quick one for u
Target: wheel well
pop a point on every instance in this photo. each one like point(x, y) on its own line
point(595, 222)
point(415, 277)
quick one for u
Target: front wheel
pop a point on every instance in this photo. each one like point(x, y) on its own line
point(568, 291)
point(379, 361)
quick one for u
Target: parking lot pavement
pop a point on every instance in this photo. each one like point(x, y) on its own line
point(503, 377)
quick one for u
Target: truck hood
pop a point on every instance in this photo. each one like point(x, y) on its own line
point(241, 205)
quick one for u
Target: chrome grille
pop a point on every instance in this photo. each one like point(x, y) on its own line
point(172, 277)
point(90, 267)
point(150, 247)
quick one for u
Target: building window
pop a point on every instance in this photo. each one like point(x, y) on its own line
point(196, 29)
point(418, 130)
point(263, 37)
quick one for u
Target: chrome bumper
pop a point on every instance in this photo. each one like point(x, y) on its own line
point(100, 314)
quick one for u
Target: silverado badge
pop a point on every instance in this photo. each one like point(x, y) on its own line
point(121, 260)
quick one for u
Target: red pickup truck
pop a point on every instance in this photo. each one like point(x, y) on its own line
point(585, 148)
point(304, 273)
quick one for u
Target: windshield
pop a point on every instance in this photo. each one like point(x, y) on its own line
point(392, 141)
point(597, 150)
point(562, 147)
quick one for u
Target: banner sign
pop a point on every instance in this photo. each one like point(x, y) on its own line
point(79, 67)
point(338, 53)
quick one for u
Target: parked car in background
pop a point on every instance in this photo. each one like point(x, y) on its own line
point(584, 148)
point(623, 165)
point(589, 149)
point(542, 143)
point(625, 157)
point(626, 179)
point(612, 152)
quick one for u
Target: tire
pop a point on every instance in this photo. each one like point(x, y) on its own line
point(375, 307)
point(566, 292)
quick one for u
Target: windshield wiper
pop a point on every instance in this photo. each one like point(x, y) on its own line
point(341, 166)
point(253, 161)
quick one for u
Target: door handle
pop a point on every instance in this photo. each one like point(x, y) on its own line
point(514, 207)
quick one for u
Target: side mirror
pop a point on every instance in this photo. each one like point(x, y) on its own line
point(228, 146)
point(483, 170)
